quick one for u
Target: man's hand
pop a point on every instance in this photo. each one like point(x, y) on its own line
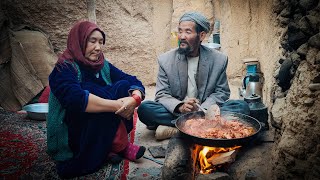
point(127, 108)
point(189, 105)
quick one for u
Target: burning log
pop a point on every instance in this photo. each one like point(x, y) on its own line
point(221, 158)
point(211, 158)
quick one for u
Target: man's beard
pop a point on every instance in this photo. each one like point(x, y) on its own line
point(189, 49)
point(185, 51)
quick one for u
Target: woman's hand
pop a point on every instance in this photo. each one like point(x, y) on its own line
point(127, 108)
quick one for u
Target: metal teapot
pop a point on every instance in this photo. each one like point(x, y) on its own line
point(254, 85)
point(258, 110)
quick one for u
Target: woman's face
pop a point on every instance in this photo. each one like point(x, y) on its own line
point(94, 46)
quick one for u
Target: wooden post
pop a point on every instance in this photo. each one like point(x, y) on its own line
point(91, 9)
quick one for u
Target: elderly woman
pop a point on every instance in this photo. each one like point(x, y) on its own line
point(90, 106)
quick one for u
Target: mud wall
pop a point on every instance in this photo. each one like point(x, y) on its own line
point(248, 30)
point(283, 35)
point(137, 31)
point(296, 110)
point(182, 6)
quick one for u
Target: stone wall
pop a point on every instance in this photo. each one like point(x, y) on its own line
point(296, 109)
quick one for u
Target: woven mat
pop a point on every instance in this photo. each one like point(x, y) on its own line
point(23, 151)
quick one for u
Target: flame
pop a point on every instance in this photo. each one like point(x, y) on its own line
point(207, 152)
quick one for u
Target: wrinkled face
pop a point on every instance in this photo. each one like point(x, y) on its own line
point(94, 46)
point(189, 39)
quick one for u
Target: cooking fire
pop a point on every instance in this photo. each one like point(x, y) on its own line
point(206, 145)
point(212, 158)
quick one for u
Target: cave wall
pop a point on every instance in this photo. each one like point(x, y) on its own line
point(248, 30)
point(182, 6)
point(282, 34)
point(137, 31)
point(295, 113)
point(53, 17)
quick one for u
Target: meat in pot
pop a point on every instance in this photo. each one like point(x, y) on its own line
point(218, 128)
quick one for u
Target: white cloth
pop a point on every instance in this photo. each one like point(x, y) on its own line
point(192, 90)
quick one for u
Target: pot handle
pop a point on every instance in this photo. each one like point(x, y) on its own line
point(244, 82)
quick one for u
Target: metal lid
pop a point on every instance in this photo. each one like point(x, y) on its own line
point(253, 98)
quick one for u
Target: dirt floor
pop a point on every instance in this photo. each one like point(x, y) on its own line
point(145, 168)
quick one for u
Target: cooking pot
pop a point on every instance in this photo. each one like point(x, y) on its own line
point(252, 122)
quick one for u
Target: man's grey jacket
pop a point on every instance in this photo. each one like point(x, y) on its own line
point(172, 80)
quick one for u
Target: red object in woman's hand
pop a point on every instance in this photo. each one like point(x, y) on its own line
point(137, 99)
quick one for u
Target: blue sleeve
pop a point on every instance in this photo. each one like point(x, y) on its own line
point(64, 84)
point(117, 75)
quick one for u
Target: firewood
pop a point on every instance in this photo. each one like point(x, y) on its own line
point(222, 158)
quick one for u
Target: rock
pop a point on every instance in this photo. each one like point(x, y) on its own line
point(305, 26)
point(314, 41)
point(296, 39)
point(158, 151)
point(309, 102)
point(214, 176)
point(284, 76)
point(302, 50)
point(179, 160)
point(295, 59)
point(308, 4)
point(251, 175)
point(314, 22)
point(316, 79)
point(317, 61)
point(278, 6)
point(312, 55)
point(314, 86)
point(277, 112)
point(283, 21)
point(285, 12)
point(278, 93)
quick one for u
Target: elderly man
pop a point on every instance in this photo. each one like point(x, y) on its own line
point(189, 74)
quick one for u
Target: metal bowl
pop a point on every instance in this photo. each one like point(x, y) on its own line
point(212, 45)
point(37, 111)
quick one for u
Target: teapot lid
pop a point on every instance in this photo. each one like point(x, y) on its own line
point(253, 98)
